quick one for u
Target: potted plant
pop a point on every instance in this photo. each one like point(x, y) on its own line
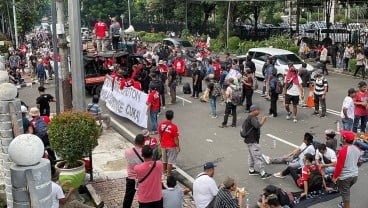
point(72, 135)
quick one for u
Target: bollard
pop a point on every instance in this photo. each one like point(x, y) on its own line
point(30, 173)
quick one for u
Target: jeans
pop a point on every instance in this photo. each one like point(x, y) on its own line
point(363, 123)
point(129, 193)
point(362, 145)
point(346, 64)
point(195, 90)
point(347, 124)
point(360, 67)
point(153, 117)
point(213, 105)
point(319, 100)
point(329, 170)
point(273, 106)
point(248, 93)
point(115, 42)
point(230, 108)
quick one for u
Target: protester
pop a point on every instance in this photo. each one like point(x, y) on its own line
point(157, 84)
point(223, 83)
point(224, 197)
point(57, 193)
point(323, 59)
point(149, 174)
point(282, 197)
point(41, 72)
point(204, 187)
point(153, 106)
point(346, 171)
point(25, 120)
point(133, 157)
point(195, 80)
point(100, 29)
point(179, 66)
point(348, 54)
point(169, 137)
point(320, 91)
point(252, 127)
point(305, 75)
point(360, 61)
point(95, 110)
point(172, 195)
point(230, 107)
point(273, 93)
point(214, 91)
point(272, 201)
point(331, 141)
point(292, 90)
point(115, 33)
point(326, 159)
point(360, 110)
point(247, 89)
point(172, 85)
point(347, 111)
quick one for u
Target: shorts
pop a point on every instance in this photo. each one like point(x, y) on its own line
point(169, 155)
point(292, 99)
point(344, 187)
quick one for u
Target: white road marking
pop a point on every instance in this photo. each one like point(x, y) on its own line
point(179, 170)
point(281, 140)
point(184, 99)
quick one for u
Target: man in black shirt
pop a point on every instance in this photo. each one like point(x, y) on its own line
point(43, 101)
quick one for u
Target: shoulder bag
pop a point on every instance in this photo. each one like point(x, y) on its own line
point(149, 173)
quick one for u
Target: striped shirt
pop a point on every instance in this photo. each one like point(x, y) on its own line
point(225, 199)
point(320, 85)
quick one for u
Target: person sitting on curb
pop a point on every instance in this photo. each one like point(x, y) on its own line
point(326, 158)
point(172, 195)
point(331, 141)
point(224, 197)
point(204, 187)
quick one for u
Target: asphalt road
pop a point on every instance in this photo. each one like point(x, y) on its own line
point(202, 140)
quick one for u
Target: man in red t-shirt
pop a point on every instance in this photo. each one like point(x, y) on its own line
point(361, 107)
point(217, 68)
point(149, 189)
point(153, 107)
point(100, 29)
point(169, 137)
point(179, 66)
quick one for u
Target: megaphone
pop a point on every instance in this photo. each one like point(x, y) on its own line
point(130, 29)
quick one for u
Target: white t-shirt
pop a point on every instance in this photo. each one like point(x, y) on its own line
point(310, 149)
point(204, 189)
point(348, 103)
point(229, 91)
point(56, 194)
point(294, 90)
point(329, 154)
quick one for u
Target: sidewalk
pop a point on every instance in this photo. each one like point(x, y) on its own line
point(109, 169)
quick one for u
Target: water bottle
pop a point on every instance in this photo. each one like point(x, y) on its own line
point(274, 143)
point(247, 205)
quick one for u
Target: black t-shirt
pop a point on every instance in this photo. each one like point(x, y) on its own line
point(44, 101)
point(172, 73)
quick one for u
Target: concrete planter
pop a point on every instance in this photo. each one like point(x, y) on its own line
point(75, 175)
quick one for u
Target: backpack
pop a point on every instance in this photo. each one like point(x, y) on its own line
point(284, 198)
point(236, 97)
point(186, 88)
point(279, 86)
point(40, 127)
point(315, 181)
point(216, 92)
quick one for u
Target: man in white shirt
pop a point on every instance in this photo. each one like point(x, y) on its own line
point(204, 186)
point(323, 59)
point(293, 89)
point(326, 158)
point(347, 110)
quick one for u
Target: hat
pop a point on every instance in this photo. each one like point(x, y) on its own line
point(362, 83)
point(349, 136)
point(145, 132)
point(23, 109)
point(330, 131)
point(351, 91)
point(319, 72)
point(161, 62)
point(208, 165)
point(34, 111)
point(228, 182)
point(253, 107)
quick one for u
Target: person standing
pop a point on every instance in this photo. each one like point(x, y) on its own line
point(347, 110)
point(95, 109)
point(360, 109)
point(43, 101)
point(169, 139)
point(346, 171)
point(149, 174)
point(153, 107)
point(195, 81)
point(14, 61)
point(204, 187)
point(247, 89)
point(214, 91)
point(171, 82)
point(293, 88)
point(320, 91)
point(360, 59)
point(133, 157)
point(252, 127)
point(115, 33)
point(305, 76)
point(274, 94)
point(40, 72)
point(100, 29)
point(230, 107)
point(179, 66)
point(348, 54)
point(323, 59)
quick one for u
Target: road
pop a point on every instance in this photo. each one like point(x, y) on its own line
point(202, 140)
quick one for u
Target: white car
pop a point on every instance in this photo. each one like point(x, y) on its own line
point(283, 58)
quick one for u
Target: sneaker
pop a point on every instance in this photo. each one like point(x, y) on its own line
point(163, 107)
point(315, 113)
point(222, 126)
point(263, 95)
point(323, 116)
point(215, 116)
point(294, 120)
point(253, 172)
point(278, 175)
point(288, 116)
point(266, 159)
point(266, 175)
point(340, 205)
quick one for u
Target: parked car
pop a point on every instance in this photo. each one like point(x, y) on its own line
point(283, 58)
point(185, 45)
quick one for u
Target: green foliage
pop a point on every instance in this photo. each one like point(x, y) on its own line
point(352, 65)
point(4, 48)
point(185, 33)
point(72, 134)
point(217, 44)
point(302, 20)
point(233, 43)
point(152, 37)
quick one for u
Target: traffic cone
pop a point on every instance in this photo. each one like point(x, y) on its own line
point(310, 101)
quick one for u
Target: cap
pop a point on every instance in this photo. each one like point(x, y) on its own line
point(362, 83)
point(23, 109)
point(349, 136)
point(330, 131)
point(351, 91)
point(228, 182)
point(34, 112)
point(253, 107)
point(161, 62)
point(208, 165)
point(145, 132)
point(319, 72)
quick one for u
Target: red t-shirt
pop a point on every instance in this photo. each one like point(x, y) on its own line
point(137, 85)
point(168, 137)
point(306, 173)
point(150, 189)
point(100, 28)
point(179, 65)
point(359, 109)
point(154, 100)
point(122, 83)
point(45, 118)
point(163, 68)
point(153, 141)
point(217, 69)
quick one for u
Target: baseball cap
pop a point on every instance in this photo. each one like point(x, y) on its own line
point(253, 107)
point(349, 136)
point(228, 182)
point(208, 165)
point(351, 91)
point(362, 83)
point(330, 131)
point(145, 132)
point(23, 109)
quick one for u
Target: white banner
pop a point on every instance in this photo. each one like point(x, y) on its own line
point(129, 102)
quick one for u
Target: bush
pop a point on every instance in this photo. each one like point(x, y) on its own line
point(152, 37)
point(72, 134)
point(185, 33)
point(302, 20)
point(217, 45)
point(233, 43)
point(352, 65)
